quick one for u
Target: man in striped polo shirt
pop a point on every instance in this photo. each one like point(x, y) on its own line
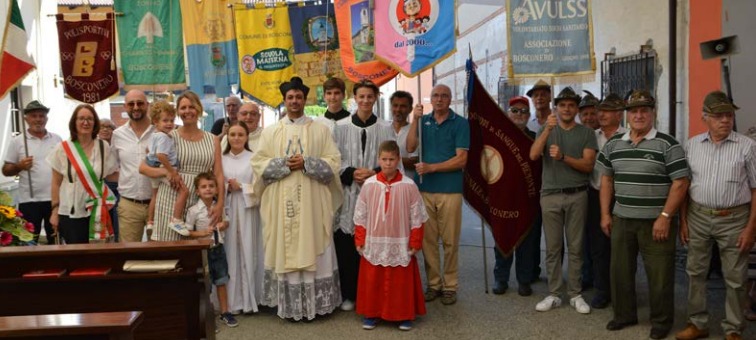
point(568, 150)
point(720, 209)
point(647, 174)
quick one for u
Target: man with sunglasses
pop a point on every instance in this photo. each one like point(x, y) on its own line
point(720, 209)
point(233, 104)
point(527, 256)
point(129, 145)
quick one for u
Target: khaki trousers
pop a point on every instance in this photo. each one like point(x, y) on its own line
point(444, 222)
point(132, 217)
point(703, 230)
point(564, 218)
point(629, 237)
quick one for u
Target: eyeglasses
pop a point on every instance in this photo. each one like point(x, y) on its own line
point(107, 127)
point(521, 111)
point(721, 116)
point(243, 113)
point(137, 103)
point(85, 119)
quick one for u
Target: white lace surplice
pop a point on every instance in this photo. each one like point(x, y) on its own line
point(388, 224)
point(349, 140)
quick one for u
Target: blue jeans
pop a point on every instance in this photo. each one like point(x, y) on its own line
point(528, 257)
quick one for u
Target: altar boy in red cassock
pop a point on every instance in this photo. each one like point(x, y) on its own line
point(388, 219)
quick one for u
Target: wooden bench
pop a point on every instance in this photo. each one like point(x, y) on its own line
point(175, 304)
point(95, 326)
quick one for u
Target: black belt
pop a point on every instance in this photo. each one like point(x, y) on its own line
point(573, 190)
point(144, 202)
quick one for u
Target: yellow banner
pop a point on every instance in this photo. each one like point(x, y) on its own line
point(206, 22)
point(265, 50)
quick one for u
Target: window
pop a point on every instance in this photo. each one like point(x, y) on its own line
point(621, 75)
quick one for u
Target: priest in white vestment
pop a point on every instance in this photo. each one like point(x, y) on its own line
point(298, 163)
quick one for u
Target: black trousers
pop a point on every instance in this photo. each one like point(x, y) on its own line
point(349, 264)
point(73, 230)
point(598, 244)
point(36, 213)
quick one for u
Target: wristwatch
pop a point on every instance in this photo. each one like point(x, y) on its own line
point(562, 159)
point(665, 214)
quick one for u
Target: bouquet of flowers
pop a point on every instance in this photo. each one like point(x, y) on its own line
point(14, 230)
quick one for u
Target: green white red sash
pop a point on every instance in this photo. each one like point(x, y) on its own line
point(100, 199)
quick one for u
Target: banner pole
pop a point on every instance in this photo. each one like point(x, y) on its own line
point(420, 126)
point(23, 132)
point(485, 256)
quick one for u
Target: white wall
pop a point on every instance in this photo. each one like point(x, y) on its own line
point(43, 44)
point(737, 19)
point(621, 25)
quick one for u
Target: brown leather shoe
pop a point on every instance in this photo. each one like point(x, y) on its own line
point(691, 332)
point(733, 336)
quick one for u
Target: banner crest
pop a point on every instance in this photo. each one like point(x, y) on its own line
point(151, 43)
point(87, 57)
point(316, 48)
point(265, 47)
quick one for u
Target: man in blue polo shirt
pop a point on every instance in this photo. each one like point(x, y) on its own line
point(443, 149)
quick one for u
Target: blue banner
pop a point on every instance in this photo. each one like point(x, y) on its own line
point(549, 38)
point(210, 45)
point(415, 34)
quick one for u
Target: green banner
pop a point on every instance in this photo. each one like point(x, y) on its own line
point(151, 44)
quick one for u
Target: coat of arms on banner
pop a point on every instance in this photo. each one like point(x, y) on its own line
point(265, 50)
point(415, 34)
point(87, 57)
point(316, 47)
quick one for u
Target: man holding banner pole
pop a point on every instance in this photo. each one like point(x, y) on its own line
point(25, 157)
point(445, 139)
point(569, 152)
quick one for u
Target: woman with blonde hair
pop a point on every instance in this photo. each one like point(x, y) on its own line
point(198, 151)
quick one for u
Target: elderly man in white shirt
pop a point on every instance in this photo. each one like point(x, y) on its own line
point(129, 145)
point(28, 163)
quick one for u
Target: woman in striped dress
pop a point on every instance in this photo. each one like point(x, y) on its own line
point(197, 151)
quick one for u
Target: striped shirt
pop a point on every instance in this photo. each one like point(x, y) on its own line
point(601, 139)
point(722, 174)
point(643, 172)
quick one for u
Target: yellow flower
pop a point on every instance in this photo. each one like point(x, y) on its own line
point(8, 212)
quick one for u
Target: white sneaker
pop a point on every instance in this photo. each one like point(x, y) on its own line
point(579, 304)
point(347, 305)
point(548, 303)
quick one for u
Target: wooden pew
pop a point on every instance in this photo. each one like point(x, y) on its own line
point(175, 304)
point(91, 326)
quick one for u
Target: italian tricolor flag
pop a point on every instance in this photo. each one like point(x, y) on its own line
point(15, 61)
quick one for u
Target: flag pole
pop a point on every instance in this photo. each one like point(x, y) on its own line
point(485, 256)
point(470, 69)
point(26, 144)
point(420, 125)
